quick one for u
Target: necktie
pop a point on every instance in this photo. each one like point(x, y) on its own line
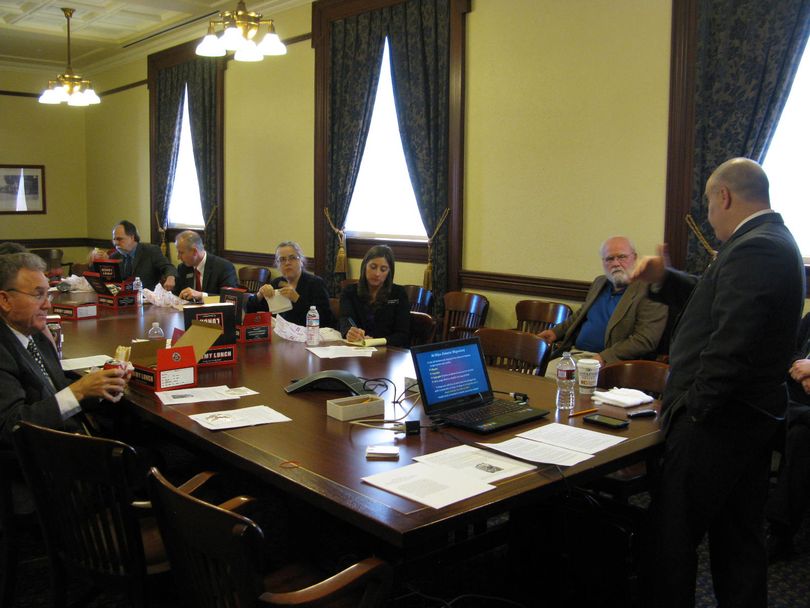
point(127, 266)
point(34, 351)
point(197, 280)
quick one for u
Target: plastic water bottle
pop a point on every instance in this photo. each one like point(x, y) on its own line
point(313, 327)
point(137, 287)
point(566, 379)
point(155, 332)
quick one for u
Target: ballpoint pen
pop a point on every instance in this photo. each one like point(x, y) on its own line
point(582, 412)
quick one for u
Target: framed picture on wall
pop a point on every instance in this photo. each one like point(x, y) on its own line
point(22, 189)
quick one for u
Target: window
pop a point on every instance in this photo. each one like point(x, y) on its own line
point(786, 160)
point(185, 207)
point(383, 203)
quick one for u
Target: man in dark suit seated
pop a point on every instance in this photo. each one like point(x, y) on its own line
point(142, 260)
point(790, 498)
point(725, 399)
point(200, 273)
point(33, 386)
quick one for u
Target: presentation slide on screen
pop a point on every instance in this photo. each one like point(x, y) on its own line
point(452, 373)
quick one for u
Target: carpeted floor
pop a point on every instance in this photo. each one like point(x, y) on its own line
point(482, 581)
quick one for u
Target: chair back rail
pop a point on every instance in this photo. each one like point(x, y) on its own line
point(420, 299)
point(253, 277)
point(518, 351)
point(538, 315)
point(648, 376)
point(423, 328)
point(463, 313)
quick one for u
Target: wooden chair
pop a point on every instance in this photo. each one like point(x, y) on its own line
point(421, 299)
point(79, 269)
point(334, 306)
point(538, 315)
point(518, 351)
point(81, 487)
point(650, 377)
point(53, 260)
point(253, 277)
point(10, 527)
point(423, 328)
point(345, 282)
point(463, 314)
point(215, 555)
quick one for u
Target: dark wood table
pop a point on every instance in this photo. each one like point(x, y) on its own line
point(322, 460)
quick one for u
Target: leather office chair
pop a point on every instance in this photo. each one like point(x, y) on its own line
point(81, 487)
point(463, 314)
point(215, 554)
point(420, 299)
point(538, 315)
point(518, 351)
point(423, 328)
point(253, 277)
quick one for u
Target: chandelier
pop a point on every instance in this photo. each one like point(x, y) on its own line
point(69, 87)
point(239, 27)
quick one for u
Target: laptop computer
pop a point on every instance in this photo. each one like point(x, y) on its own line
point(455, 388)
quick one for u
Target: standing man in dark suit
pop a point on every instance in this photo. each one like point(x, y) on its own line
point(200, 273)
point(33, 386)
point(142, 260)
point(725, 398)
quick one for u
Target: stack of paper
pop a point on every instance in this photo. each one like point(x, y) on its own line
point(622, 397)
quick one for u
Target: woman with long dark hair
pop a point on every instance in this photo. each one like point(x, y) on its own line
point(376, 307)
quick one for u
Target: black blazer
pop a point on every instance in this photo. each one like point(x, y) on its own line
point(734, 340)
point(795, 391)
point(312, 291)
point(391, 321)
point(219, 273)
point(25, 394)
point(149, 264)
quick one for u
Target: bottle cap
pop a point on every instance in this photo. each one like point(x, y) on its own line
point(155, 324)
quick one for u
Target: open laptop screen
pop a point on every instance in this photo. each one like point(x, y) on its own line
point(451, 373)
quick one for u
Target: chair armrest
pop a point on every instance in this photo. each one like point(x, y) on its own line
point(372, 570)
point(196, 482)
point(237, 504)
point(145, 505)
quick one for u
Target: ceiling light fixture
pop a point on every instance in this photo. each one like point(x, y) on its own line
point(239, 27)
point(69, 88)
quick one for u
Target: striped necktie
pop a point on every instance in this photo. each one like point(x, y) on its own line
point(197, 280)
point(34, 352)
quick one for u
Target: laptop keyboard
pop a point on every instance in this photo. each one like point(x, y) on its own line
point(488, 411)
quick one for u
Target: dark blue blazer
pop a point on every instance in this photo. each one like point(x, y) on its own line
point(219, 273)
point(149, 264)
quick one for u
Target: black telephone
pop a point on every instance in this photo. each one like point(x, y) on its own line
point(330, 380)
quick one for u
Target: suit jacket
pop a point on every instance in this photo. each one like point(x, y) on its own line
point(149, 264)
point(734, 340)
point(391, 321)
point(25, 394)
point(312, 292)
point(219, 273)
point(633, 330)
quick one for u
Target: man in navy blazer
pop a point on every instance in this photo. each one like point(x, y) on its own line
point(41, 394)
point(725, 398)
point(200, 273)
point(142, 260)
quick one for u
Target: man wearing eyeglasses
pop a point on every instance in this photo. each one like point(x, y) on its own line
point(139, 259)
point(200, 273)
point(618, 320)
point(32, 384)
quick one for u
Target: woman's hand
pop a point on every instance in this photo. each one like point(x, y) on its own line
point(355, 334)
point(288, 292)
point(266, 291)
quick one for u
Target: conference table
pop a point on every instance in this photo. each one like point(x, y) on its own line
point(321, 460)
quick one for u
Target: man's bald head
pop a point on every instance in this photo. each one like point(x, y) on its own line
point(735, 190)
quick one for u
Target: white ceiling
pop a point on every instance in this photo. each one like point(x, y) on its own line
point(33, 34)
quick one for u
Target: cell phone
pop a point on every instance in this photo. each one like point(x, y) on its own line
point(608, 421)
point(641, 413)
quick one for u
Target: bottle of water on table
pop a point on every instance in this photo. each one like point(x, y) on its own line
point(155, 332)
point(313, 327)
point(566, 380)
point(137, 287)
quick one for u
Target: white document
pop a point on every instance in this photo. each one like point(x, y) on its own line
point(195, 395)
point(84, 362)
point(239, 391)
point(289, 331)
point(278, 303)
point(435, 487)
point(572, 438)
point(232, 419)
point(473, 462)
point(538, 452)
point(340, 352)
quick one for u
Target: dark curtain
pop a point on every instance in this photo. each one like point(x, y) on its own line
point(356, 55)
point(201, 77)
point(419, 40)
point(748, 52)
point(169, 91)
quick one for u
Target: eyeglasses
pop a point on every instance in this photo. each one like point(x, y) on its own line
point(38, 296)
point(286, 258)
point(622, 257)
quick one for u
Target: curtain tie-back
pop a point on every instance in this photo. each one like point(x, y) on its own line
point(341, 258)
point(427, 279)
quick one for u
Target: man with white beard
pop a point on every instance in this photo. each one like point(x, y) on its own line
point(618, 321)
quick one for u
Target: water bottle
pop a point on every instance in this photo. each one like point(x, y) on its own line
point(566, 378)
point(137, 287)
point(155, 332)
point(313, 326)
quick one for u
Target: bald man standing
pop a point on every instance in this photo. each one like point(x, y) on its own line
point(726, 396)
